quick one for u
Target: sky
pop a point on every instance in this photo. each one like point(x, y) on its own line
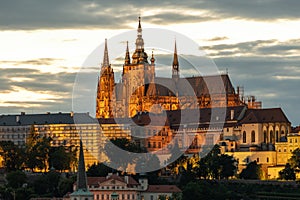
point(43, 45)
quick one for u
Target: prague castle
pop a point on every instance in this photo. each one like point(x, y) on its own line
point(123, 110)
point(140, 90)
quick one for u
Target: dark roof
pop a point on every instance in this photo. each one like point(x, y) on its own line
point(190, 117)
point(199, 85)
point(48, 118)
point(204, 116)
point(163, 189)
point(295, 129)
point(269, 115)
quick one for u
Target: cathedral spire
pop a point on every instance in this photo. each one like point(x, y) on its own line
point(127, 56)
point(82, 191)
point(139, 40)
point(81, 176)
point(152, 58)
point(105, 58)
point(175, 66)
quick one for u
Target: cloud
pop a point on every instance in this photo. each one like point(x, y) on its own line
point(218, 39)
point(24, 89)
point(42, 14)
point(39, 61)
point(258, 48)
point(268, 69)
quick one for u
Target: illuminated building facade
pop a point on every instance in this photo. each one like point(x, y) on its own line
point(140, 88)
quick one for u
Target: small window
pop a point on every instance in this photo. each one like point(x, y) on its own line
point(244, 137)
point(253, 136)
point(257, 160)
point(267, 159)
point(291, 140)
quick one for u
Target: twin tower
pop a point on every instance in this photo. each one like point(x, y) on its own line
point(141, 91)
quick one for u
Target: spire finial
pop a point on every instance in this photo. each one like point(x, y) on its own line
point(139, 40)
point(152, 58)
point(139, 22)
point(175, 70)
point(105, 58)
point(127, 56)
point(175, 58)
point(81, 177)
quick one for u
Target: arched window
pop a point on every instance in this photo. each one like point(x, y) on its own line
point(277, 136)
point(244, 137)
point(253, 136)
point(271, 137)
point(265, 136)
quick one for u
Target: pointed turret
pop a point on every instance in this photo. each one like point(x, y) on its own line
point(175, 66)
point(139, 56)
point(105, 57)
point(152, 59)
point(105, 88)
point(82, 191)
point(139, 40)
point(81, 176)
point(127, 56)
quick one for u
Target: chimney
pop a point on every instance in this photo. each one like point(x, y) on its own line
point(22, 113)
point(231, 114)
point(126, 179)
point(72, 114)
point(18, 119)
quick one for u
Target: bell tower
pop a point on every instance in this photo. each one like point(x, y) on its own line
point(105, 89)
point(137, 74)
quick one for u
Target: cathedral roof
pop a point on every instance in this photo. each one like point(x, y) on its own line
point(205, 118)
point(199, 85)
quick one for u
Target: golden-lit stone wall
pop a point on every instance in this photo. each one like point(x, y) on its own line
point(284, 149)
point(69, 135)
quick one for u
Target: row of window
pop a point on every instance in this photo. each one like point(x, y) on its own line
point(121, 196)
point(245, 136)
point(153, 145)
point(12, 136)
point(257, 160)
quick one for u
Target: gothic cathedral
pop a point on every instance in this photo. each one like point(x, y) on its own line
point(141, 91)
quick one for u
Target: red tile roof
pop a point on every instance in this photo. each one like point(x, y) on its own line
point(163, 189)
point(95, 181)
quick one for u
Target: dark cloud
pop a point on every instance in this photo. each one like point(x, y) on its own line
point(59, 84)
point(258, 48)
point(42, 14)
point(217, 39)
point(171, 17)
point(39, 61)
point(267, 69)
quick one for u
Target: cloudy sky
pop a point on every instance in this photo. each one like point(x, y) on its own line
point(44, 44)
